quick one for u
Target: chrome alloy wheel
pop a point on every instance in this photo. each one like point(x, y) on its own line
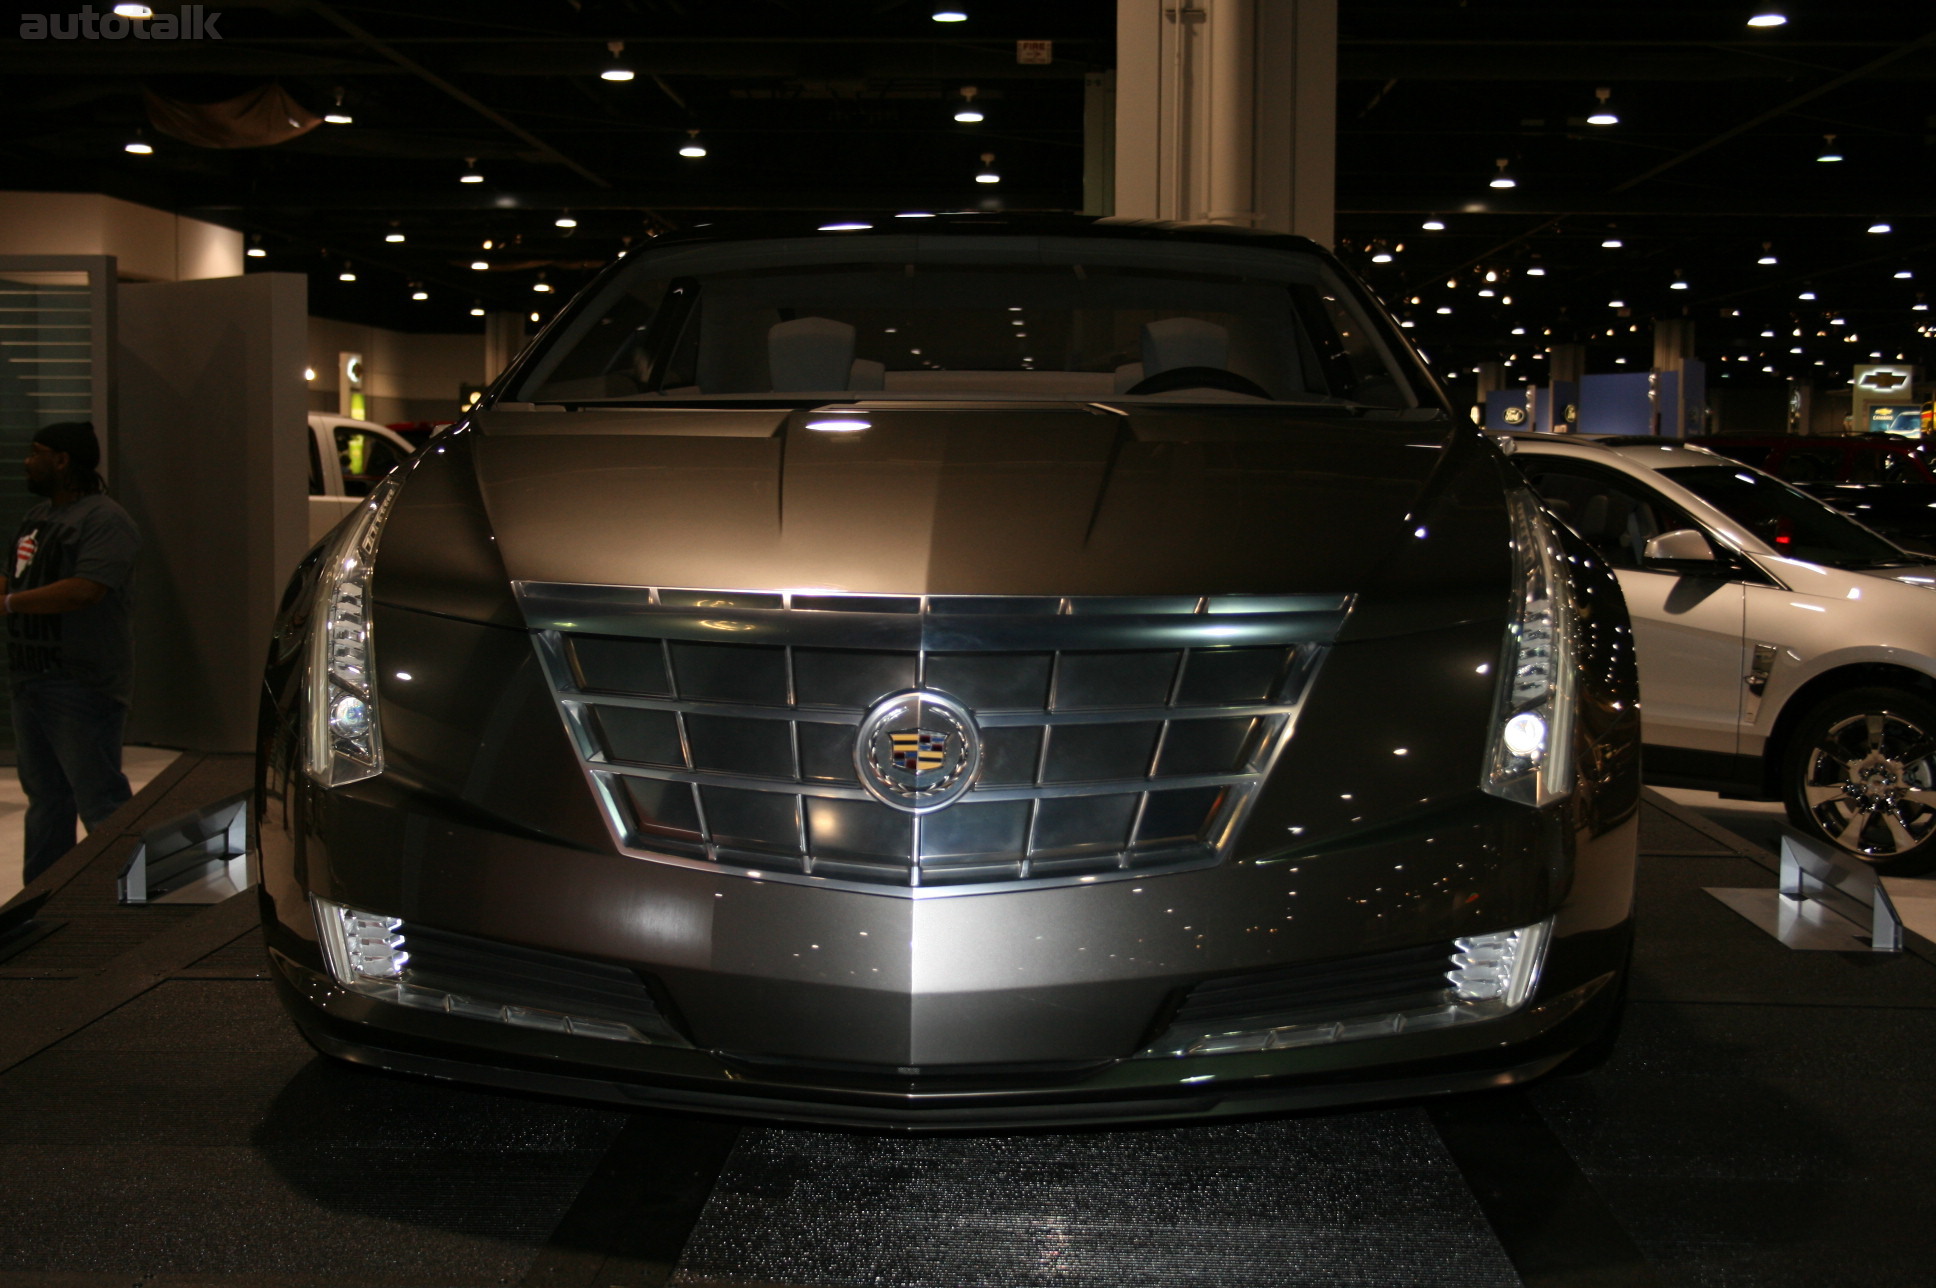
point(1869, 784)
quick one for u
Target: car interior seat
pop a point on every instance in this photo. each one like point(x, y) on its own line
point(814, 354)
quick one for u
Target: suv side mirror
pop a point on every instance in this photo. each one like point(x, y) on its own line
point(1683, 550)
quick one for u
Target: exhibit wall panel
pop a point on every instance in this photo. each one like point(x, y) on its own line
point(56, 364)
point(213, 454)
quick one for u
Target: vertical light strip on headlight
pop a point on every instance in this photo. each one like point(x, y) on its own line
point(345, 740)
point(1532, 733)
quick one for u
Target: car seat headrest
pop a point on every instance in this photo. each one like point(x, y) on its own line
point(1169, 343)
point(810, 354)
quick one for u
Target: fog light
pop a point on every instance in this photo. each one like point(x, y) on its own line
point(1500, 967)
point(361, 945)
point(366, 955)
point(1491, 976)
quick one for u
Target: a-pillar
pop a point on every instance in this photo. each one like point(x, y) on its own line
point(1226, 112)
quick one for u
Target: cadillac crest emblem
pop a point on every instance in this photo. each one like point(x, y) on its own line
point(917, 751)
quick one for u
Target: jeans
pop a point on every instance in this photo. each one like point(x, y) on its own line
point(69, 743)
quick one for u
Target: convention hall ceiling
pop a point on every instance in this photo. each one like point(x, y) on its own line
point(847, 108)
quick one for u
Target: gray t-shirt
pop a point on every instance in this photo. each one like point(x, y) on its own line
point(91, 537)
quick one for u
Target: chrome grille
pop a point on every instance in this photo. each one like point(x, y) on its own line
point(1120, 736)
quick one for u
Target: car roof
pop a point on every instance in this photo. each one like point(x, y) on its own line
point(1650, 453)
point(1004, 224)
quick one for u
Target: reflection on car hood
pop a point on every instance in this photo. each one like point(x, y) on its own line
point(972, 500)
point(1889, 584)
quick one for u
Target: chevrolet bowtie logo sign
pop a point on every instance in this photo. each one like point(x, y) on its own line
point(1883, 379)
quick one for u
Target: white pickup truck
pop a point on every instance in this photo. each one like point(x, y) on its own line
point(346, 458)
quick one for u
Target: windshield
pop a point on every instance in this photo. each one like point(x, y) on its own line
point(1794, 523)
point(976, 316)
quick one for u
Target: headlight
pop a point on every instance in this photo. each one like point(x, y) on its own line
point(1531, 760)
point(345, 740)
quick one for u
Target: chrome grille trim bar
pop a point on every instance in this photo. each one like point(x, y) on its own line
point(605, 610)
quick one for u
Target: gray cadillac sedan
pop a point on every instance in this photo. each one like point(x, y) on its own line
point(962, 671)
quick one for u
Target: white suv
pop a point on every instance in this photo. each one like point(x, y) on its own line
point(1786, 651)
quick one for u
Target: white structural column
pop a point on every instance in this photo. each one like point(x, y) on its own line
point(1226, 112)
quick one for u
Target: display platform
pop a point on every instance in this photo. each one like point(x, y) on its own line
point(1767, 1119)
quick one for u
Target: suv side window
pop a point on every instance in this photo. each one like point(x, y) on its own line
point(365, 457)
point(1615, 514)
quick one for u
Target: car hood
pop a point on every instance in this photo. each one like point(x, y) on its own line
point(1892, 586)
point(960, 500)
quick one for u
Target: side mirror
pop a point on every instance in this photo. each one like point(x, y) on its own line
point(1684, 551)
point(1679, 546)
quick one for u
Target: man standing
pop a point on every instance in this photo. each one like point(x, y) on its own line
point(69, 643)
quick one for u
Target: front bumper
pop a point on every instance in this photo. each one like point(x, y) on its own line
point(1012, 1009)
